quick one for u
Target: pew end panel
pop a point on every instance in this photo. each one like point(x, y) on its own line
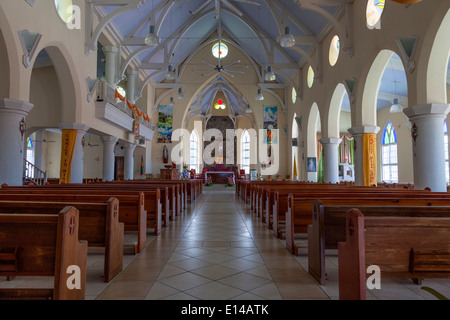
point(351, 259)
point(51, 250)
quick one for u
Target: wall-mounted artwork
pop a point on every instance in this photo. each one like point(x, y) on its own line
point(311, 164)
point(270, 125)
point(165, 124)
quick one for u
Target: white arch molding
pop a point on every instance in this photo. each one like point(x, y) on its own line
point(311, 140)
point(294, 153)
point(436, 73)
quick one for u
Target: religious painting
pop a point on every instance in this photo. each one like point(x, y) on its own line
point(253, 174)
point(270, 125)
point(165, 124)
point(311, 164)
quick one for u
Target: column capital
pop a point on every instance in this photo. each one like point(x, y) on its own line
point(18, 106)
point(110, 139)
point(363, 129)
point(129, 145)
point(132, 72)
point(330, 141)
point(435, 109)
point(74, 126)
point(110, 49)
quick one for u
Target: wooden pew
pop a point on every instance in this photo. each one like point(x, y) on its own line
point(42, 245)
point(300, 210)
point(131, 207)
point(412, 247)
point(99, 226)
point(170, 194)
point(152, 196)
point(328, 227)
point(280, 199)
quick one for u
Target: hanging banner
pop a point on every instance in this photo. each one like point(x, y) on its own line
point(165, 123)
point(67, 146)
point(270, 125)
point(370, 159)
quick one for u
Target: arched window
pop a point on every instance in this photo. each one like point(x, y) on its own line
point(447, 171)
point(245, 152)
point(389, 154)
point(194, 154)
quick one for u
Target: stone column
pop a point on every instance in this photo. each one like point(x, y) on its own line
point(427, 134)
point(128, 149)
point(132, 82)
point(76, 171)
point(12, 140)
point(111, 54)
point(360, 159)
point(330, 159)
point(109, 142)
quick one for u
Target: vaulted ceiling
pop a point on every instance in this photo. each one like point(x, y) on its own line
point(254, 26)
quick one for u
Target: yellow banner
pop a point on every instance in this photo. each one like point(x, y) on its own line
point(67, 146)
point(369, 159)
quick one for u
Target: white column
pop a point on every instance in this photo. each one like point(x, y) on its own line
point(330, 159)
point(76, 172)
point(132, 81)
point(357, 133)
point(12, 145)
point(109, 142)
point(129, 161)
point(428, 145)
point(111, 54)
point(148, 157)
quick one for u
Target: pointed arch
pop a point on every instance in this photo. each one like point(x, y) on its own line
point(389, 154)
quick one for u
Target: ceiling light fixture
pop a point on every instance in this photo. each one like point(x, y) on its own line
point(171, 103)
point(288, 39)
point(170, 75)
point(180, 94)
point(249, 110)
point(270, 75)
point(152, 39)
point(259, 96)
point(396, 107)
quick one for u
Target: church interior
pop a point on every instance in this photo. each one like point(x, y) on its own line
point(224, 150)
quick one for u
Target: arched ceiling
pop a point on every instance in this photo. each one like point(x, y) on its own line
point(252, 26)
point(255, 26)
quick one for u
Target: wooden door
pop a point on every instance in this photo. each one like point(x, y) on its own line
point(119, 166)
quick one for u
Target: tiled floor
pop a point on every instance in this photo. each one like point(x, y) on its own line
point(218, 251)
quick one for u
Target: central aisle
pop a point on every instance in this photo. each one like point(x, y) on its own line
point(215, 251)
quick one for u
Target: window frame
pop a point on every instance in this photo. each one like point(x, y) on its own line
point(390, 147)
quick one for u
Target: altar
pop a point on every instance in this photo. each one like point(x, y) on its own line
point(220, 177)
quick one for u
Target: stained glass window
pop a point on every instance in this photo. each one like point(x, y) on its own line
point(63, 7)
point(310, 77)
point(220, 51)
point(389, 154)
point(374, 11)
point(245, 152)
point(194, 154)
point(335, 48)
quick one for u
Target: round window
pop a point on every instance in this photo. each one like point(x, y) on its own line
point(310, 77)
point(64, 9)
point(374, 11)
point(294, 95)
point(220, 51)
point(335, 48)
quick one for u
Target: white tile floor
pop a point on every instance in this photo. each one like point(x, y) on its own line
point(217, 250)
